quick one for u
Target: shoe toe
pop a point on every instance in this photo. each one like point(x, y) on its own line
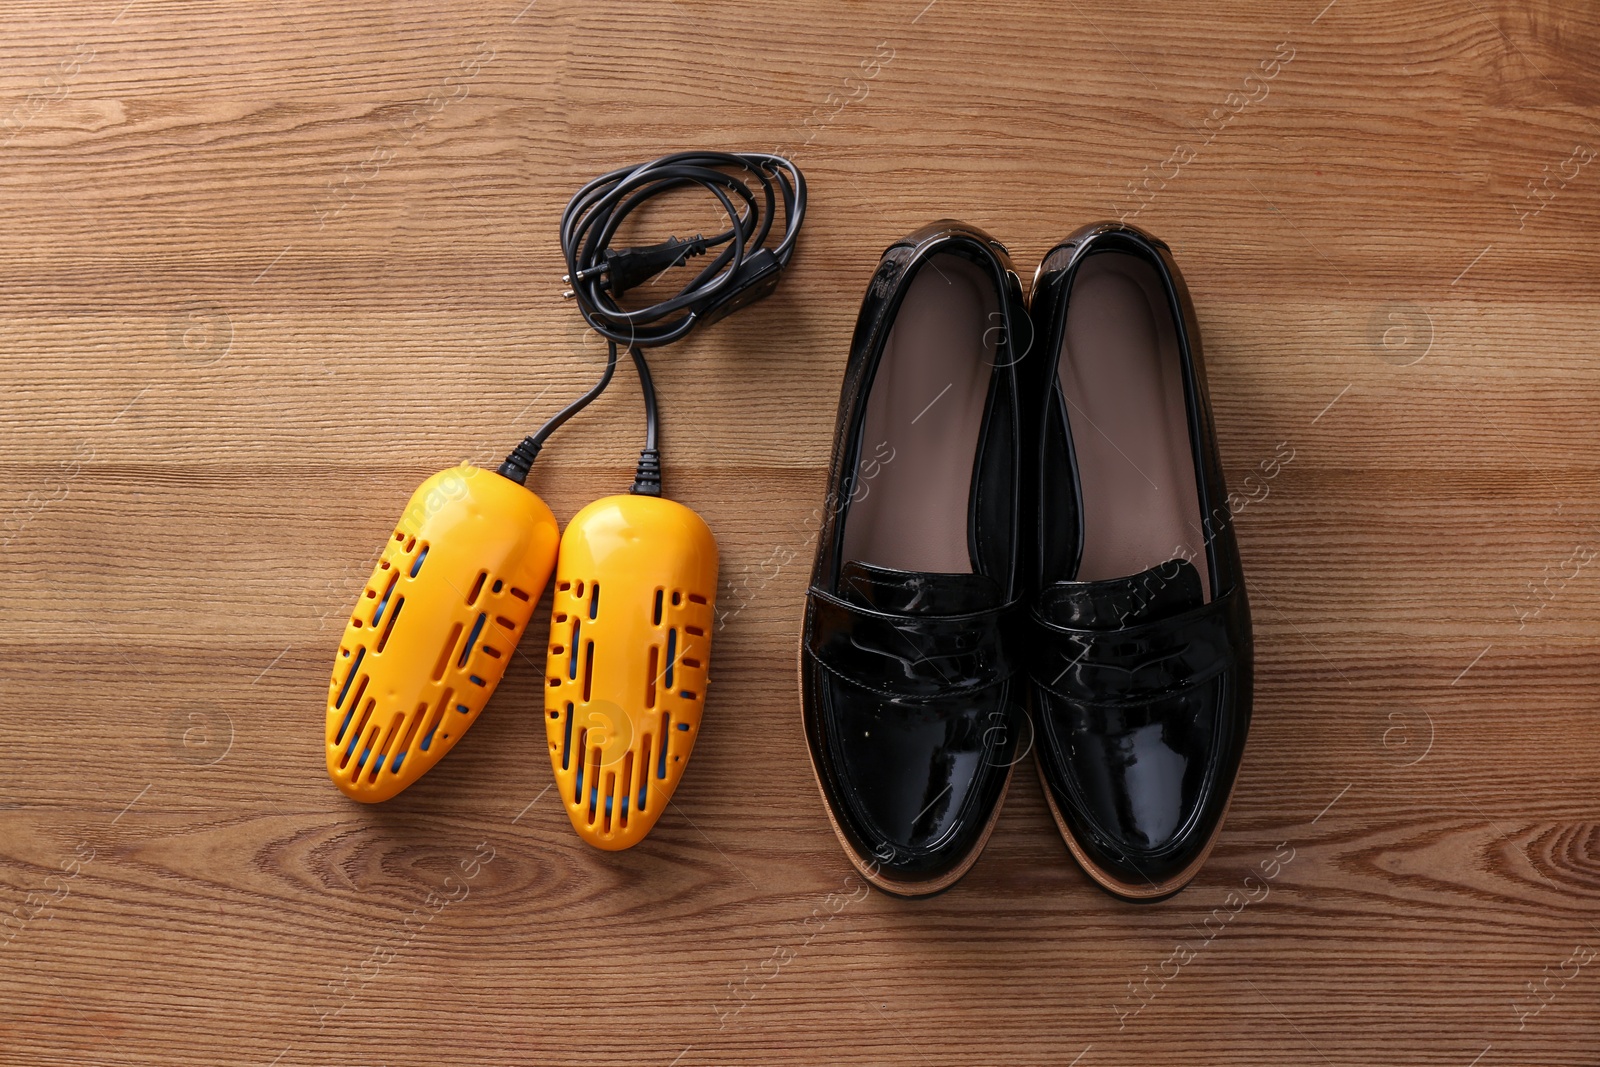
point(914, 782)
point(1145, 784)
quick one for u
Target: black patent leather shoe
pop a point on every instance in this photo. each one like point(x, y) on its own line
point(909, 648)
point(1142, 661)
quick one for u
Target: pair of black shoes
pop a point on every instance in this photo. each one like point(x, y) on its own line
point(1027, 550)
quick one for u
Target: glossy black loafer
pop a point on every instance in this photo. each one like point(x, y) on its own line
point(1141, 663)
point(909, 644)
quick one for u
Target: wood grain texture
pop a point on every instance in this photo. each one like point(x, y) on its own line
point(257, 285)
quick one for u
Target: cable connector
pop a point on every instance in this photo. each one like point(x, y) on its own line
point(517, 464)
point(632, 267)
point(647, 480)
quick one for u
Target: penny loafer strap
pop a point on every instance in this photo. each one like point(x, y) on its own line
point(1138, 663)
point(913, 656)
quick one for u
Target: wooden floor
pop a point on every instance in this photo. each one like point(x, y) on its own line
point(262, 273)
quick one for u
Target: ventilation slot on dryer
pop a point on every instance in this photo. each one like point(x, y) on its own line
point(354, 667)
point(361, 690)
point(610, 794)
point(472, 639)
point(388, 627)
point(566, 744)
point(436, 717)
point(644, 771)
point(361, 724)
point(624, 787)
point(376, 764)
point(388, 591)
point(651, 669)
point(365, 746)
point(583, 756)
point(410, 735)
point(594, 783)
point(666, 725)
point(443, 663)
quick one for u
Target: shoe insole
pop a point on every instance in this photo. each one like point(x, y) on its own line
point(909, 496)
point(1122, 379)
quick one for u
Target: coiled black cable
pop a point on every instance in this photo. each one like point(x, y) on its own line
point(745, 270)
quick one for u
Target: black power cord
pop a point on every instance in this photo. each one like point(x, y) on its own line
point(744, 271)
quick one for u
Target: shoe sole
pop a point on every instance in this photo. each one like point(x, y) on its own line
point(1148, 893)
point(866, 867)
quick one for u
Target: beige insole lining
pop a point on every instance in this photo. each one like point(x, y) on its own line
point(1122, 378)
point(925, 409)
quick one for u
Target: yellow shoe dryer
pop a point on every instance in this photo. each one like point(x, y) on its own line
point(634, 605)
point(635, 598)
point(630, 641)
point(434, 628)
